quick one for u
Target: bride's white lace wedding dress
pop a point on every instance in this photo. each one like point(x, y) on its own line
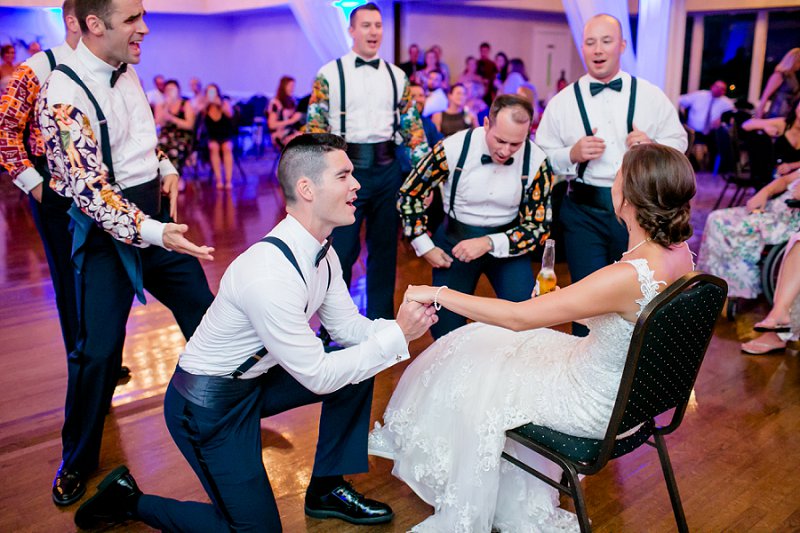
point(445, 424)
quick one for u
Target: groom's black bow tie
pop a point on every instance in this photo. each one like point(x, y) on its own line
point(117, 73)
point(323, 252)
point(486, 159)
point(375, 63)
point(614, 85)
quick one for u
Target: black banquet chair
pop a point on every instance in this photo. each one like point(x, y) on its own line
point(668, 345)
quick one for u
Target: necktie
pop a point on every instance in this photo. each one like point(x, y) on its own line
point(117, 73)
point(375, 63)
point(486, 159)
point(707, 123)
point(323, 252)
point(614, 85)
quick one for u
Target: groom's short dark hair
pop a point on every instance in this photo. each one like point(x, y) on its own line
point(303, 157)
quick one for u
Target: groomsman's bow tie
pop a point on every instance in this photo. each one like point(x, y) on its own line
point(375, 63)
point(486, 159)
point(117, 73)
point(323, 252)
point(614, 85)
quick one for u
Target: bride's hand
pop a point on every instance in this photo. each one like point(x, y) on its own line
point(420, 293)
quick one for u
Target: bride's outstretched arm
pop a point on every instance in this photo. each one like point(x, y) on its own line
point(613, 289)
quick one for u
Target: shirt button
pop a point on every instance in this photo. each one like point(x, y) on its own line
point(398, 358)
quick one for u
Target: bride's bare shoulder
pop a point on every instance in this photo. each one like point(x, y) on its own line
point(669, 264)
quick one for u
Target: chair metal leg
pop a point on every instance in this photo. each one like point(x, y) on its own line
point(576, 491)
point(239, 166)
point(672, 486)
point(721, 195)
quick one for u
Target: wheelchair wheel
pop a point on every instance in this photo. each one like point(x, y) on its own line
point(731, 307)
point(770, 269)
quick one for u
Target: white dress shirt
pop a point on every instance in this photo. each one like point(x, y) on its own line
point(131, 127)
point(370, 99)
point(698, 103)
point(486, 195)
point(561, 125)
point(40, 65)
point(262, 302)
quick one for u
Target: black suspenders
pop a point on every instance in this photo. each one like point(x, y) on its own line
point(343, 105)
point(105, 141)
point(287, 252)
point(587, 128)
point(51, 58)
point(462, 158)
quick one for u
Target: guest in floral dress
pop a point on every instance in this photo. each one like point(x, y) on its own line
point(175, 116)
point(734, 238)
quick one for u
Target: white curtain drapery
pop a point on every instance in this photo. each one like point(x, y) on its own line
point(325, 27)
point(580, 11)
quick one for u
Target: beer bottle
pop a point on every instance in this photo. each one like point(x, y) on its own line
point(546, 280)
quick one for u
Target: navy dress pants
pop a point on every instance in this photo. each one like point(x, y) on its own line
point(52, 222)
point(593, 239)
point(511, 278)
point(376, 207)
point(222, 444)
point(105, 294)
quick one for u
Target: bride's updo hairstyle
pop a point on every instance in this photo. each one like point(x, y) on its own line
point(658, 181)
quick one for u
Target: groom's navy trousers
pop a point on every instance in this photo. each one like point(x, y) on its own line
point(218, 430)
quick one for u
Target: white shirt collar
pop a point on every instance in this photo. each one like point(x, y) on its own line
point(352, 55)
point(96, 67)
point(620, 74)
point(307, 244)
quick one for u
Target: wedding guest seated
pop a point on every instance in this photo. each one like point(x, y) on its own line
point(432, 134)
point(501, 61)
point(431, 61)
point(176, 118)
point(413, 64)
point(786, 131)
point(704, 111)
point(517, 77)
point(470, 74)
point(455, 118)
point(218, 119)
point(443, 67)
point(776, 327)
point(445, 424)
point(283, 118)
point(734, 238)
point(437, 98)
point(476, 104)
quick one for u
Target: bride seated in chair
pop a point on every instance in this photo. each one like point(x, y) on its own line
point(445, 424)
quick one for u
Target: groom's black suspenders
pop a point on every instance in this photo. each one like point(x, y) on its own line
point(287, 252)
point(587, 127)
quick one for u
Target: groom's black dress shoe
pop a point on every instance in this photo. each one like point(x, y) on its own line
point(345, 503)
point(114, 502)
point(68, 487)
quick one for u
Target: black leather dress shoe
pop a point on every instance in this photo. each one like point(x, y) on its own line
point(124, 373)
point(68, 487)
point(345, 503)
point(114, 502)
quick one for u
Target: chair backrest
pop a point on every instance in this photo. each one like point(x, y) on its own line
point(761, 155)
point(690, 138)
point(667, 347)
point(727, 148)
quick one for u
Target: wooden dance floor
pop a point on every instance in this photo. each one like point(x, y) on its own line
point(736, 456)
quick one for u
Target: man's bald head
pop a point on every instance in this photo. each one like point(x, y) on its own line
point(602, 46)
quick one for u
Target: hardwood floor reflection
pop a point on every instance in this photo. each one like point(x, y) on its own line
point(736, 455)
